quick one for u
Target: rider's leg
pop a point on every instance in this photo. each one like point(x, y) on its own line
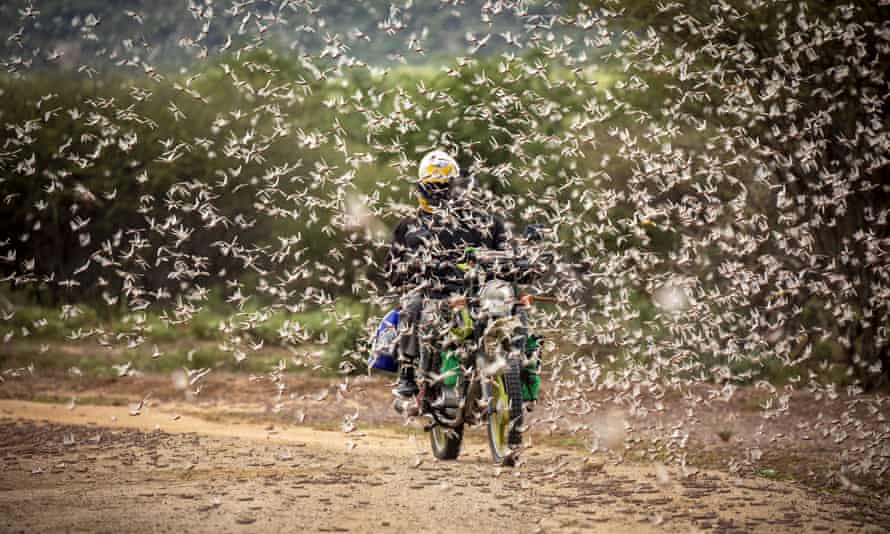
point(409, 346)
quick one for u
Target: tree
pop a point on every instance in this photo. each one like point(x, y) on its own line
point(783, 210)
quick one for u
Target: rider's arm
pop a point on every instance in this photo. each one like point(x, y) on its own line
point(395, 258)
point(500, 237)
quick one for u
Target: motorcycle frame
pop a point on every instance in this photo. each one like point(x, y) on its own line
point(489, 335)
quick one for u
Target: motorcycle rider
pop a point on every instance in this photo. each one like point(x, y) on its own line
point(444, 223)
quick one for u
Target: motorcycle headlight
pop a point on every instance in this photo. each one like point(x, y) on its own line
point(496, 298)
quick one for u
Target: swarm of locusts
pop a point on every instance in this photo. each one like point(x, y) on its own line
point(714, 175)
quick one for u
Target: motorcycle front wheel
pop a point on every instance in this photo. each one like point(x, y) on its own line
point(505, 415)
point(446, 441)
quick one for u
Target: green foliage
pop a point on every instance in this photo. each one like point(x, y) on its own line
point(453, 111)
point(120, 185)
point(173, 28)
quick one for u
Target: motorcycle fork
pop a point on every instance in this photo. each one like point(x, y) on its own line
point(518, 342)
point(484, 381)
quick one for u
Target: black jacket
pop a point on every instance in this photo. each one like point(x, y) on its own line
point(416, 238)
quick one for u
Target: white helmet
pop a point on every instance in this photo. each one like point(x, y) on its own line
point(438, 164)
point(436, 174)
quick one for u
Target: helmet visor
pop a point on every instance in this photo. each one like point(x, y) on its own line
point(434, 191)
point(435, 186)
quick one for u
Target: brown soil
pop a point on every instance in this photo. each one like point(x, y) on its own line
point(100, 469)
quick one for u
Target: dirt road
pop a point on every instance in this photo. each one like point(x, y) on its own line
point(99, 469)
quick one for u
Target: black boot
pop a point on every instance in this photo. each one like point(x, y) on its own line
point(407, 386)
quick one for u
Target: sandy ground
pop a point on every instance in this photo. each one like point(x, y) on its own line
point(100, 469)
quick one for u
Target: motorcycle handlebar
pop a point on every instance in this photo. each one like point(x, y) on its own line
point(450, 269)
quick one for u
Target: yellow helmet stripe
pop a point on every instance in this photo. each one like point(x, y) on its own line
point(424, 205)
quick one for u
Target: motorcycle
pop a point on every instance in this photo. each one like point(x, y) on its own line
point(475, 350)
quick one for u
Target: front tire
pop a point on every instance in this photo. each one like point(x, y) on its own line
point(446, 441)
point(505, 415)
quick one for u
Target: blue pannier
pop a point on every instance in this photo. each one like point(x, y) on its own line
point(383, 348)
